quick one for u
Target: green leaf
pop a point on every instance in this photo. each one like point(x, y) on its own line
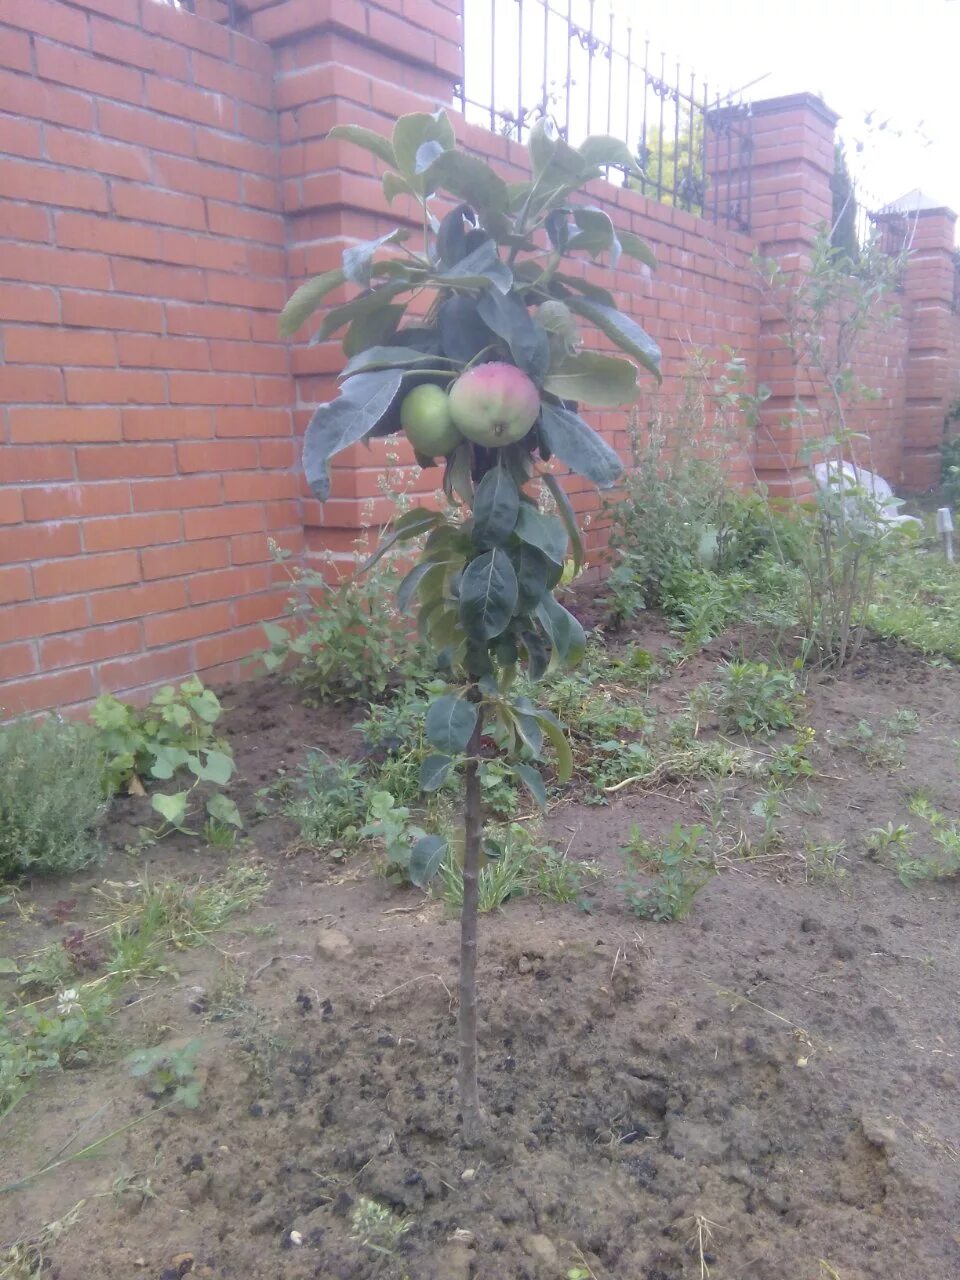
point(595, 292)
point(394, 185)
point(373, 329)
point(569, 438)
point(366, 304)
point(217, 768)
point(425, 859)
point(478, 270)
point(541, 145)
point(166, 761)
point(434, 772)
point(495, 508)
point(364, 401)
point(307, 298)
point(564, 631)
point(475, 183)
point(7, 967)
point(558, 740)
point(412, 524)
point(390, 358)
point(452, 234)
point(412, 131)
point(533, 575)
point(593, 379)
point(358, 258)
point(531, 779)
point(488, 595)
point(544, 532)
point(375, 142)
point(538, 656)
point(464, 334)
point(427, 152)
point(172, 809)
point(206, 705)
point(223, 809)
point(623, 330)
point(596, 235)
point(529, 730)
point(408, 587)
point(567, 514)
point(510, 320)
point(600, 150)
point(449, 723)
point(458, 478)
point(634, 247)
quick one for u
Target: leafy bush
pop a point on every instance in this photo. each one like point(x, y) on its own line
point(175, 732)
point(350, 639)
point(753, 697)
point(331, 804)
point(51, 798)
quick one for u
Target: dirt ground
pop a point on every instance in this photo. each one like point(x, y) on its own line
point(765, 1090)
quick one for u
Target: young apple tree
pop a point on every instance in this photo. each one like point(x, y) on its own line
point(484, 380)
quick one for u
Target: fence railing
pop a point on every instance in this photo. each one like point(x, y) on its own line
point(594, 74)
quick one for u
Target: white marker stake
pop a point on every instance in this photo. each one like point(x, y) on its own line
point(945, 527)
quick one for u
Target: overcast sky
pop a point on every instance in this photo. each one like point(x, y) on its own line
point(894, 58)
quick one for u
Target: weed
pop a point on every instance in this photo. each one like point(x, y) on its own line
point(768, 809)
point(27, 1258)
point(562, 879)
point(174, 733)
point(410, 851)
point(879, 747)
point(153, 916)
point(33, 1040)
point(790, 762)
point(752, 697)
point(330, 804)
point(51, 798)
point(376, 1227)
point(681, 872)
point(890, 841)
point(169, 1075)
point(822, 860)
point(917, 601)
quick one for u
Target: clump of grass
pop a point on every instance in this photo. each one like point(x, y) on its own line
point(330, 804)
point(376, 1227)
point(51, 798)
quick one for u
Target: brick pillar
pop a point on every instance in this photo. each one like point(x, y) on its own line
point(930, 380)
point(791, 159)
point(360, 62)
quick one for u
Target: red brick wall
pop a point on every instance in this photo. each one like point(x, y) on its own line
point(147, 447)
point(165, 182)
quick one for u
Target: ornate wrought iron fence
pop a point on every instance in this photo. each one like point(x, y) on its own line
point(575, 61)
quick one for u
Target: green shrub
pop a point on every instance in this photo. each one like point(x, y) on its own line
point(51, 798)
point(753, 697)
point(348, 637)
point(330, 804)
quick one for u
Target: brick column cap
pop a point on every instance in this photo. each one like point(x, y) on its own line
point(793, 102)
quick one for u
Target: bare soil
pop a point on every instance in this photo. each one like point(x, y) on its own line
point(765, 1090)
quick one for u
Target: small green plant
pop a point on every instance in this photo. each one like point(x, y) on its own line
point(882, 746)
point(562, 879)
point(174, 733)
point(412, 854)
point(329, 804)
point(51, 800)
point(376, 1227)
point(822, 860)
point(34, 1039)
point(889, 841)
point(169, 1074)
point(680, 870)
point(754, 698)
point(347, 637)
point(788, 763)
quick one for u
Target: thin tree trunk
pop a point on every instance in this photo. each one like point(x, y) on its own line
point(472, 832)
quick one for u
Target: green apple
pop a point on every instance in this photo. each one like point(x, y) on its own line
point(425, 417)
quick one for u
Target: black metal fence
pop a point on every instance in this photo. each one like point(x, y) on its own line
point(574, 61)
